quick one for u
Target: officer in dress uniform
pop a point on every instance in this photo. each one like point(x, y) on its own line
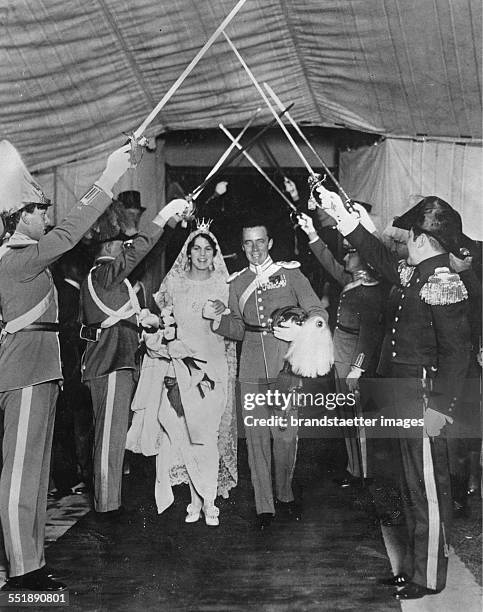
point(426, 353)
point(30, 368)
point(110, 312)
point(255, 293)
point(358, 333)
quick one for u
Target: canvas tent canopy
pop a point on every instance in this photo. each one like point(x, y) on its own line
point(76, 75)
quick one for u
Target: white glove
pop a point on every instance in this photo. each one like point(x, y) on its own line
point(287, 331)
point(148, 319)
point(291, 189)
point(177, 208)
point(307, 225)
point(353, 378)
point(434, 422)
point(221, 187)
point(117, 164)
point(460, 265)
point(365, 219)
point(333, 205)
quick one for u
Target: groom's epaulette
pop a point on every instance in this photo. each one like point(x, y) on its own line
point(288, 265)
point(235, 275)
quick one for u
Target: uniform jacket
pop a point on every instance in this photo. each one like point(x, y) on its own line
point(436, 337)
point(32, 357)
point(262, 354)
point(360, 311)
point(117, 345)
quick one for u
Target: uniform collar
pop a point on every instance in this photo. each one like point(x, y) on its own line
point(104, 258)
point(426, 267)
point(262, 267)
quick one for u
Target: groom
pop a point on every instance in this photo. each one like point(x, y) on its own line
point(255, 293)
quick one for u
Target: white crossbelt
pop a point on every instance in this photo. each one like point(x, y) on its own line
point(130, 308)
point(30, 316)
point(258, 280)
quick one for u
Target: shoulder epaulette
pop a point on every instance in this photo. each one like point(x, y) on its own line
point(288, 265)
point(443, 288)
point(235, 275)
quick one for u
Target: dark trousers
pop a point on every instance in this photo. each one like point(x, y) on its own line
point(425, 484)
point(73, 436)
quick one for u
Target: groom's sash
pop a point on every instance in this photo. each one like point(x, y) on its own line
point(258, 280)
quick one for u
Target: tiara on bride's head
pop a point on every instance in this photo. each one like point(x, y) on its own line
point(202, 225)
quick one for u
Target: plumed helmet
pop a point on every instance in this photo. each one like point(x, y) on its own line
point(287, 314)
point(18, 188)
point(435, 217)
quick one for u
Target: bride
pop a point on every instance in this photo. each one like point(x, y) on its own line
point(184, 406)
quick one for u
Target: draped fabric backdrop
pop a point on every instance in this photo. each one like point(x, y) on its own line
point(394, 173)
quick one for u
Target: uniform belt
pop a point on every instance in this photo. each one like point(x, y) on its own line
point(48, 327)
point(347, 330)
point(256, 328)
point(121, 323)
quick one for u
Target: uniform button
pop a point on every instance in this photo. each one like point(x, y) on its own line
point(393, 342)
point(394, 354)
point(259, 299)
point(393, 330)
point(262, 317)
point(264, 325)
point(264, 333)
point(399, 307)
point(402, 295)
point(260, 308)
point(396, 318)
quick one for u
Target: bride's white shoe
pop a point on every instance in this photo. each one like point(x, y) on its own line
point(211, 513)
point(192, 514)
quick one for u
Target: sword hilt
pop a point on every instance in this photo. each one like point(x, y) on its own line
point(138, 144)
point(316, 180)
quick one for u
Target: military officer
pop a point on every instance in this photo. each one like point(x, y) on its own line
point(358, 333)
point(255, 293)
point(426, 353)
point(109, 312)
point(30, 368)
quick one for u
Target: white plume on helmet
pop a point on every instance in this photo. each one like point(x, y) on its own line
point(17, 186)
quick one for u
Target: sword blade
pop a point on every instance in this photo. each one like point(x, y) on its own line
point(179, 81)
point(258, 168)
point(237, 154)
point(272, 110)
point(279, 103)
point(196, 192)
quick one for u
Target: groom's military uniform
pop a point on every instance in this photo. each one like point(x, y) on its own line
point(255, 293)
